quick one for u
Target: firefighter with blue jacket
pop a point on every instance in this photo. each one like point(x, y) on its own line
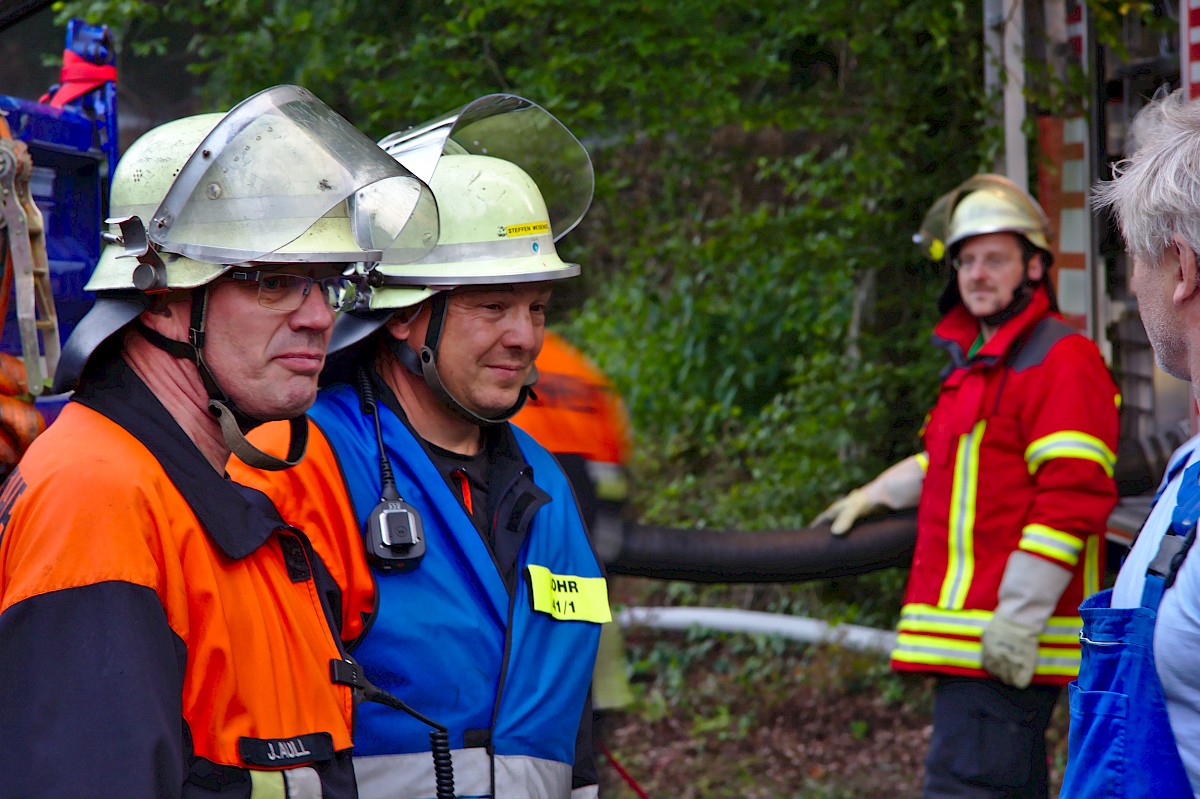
point(471, 591)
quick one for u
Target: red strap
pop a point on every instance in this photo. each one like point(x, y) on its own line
point(465, 486)
point(629, 780)
point(77, 77)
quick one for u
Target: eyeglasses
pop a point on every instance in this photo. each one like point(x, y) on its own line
point(282, 291)
point(992, 262)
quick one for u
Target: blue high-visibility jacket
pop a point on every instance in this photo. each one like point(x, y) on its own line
point(458, 638)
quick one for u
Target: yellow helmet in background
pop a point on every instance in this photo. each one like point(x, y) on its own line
point(999, 208)
point(982, 204)
point(985, 203)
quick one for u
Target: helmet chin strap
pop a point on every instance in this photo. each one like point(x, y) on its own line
point(1021, 298)
point(424, 366)
point(234, 423)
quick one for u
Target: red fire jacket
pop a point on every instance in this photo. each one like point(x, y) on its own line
point(1019, 455)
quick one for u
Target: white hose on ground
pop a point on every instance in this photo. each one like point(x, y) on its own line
point(813, 631)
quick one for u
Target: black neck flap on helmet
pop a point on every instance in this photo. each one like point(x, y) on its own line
point(424, 365)
point(234, 423)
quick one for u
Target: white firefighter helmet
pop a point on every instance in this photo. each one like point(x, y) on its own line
point(510, 180)
point(999, 209)
point(281, 178)
point(514, 180)
point(494, 227)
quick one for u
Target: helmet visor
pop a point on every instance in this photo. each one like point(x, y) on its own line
point(513, 129)
point(396, 215)
point(273, 166)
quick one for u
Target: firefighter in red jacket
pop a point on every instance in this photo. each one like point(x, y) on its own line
point(1012, 491)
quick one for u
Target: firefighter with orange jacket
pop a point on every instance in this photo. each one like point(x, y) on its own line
point(163, 633)
point(1012, 490)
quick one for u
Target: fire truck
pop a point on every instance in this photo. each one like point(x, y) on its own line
point(56, 154)
point(1060, 154)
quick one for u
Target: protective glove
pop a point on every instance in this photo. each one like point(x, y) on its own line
point(1029, 593)
point(1010, 650)
point(898, 487)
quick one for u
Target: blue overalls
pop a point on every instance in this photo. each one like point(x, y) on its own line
point(1120, 742)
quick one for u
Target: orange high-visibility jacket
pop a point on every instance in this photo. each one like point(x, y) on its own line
point(576, 409)
point(1019, 455)
point(162, 632)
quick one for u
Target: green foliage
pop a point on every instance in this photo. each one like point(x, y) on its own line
point(757, 169)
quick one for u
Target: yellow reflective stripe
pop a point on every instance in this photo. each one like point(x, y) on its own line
point(1054, 544)
point(1062, 630)
point(1091, 566)
point(267, 785)
point(1117, 401)
point(923, 461)
point(937, 651)
point(1070, 444)
point(568, 597)
point(904, 640)
point(960, 565)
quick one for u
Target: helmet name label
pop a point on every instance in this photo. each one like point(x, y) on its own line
point(526, 229)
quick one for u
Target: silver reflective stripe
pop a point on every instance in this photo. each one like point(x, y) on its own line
point(492, 250)
point(411, 776)
point(969, 625)
point(524, 777)
point(586, 792)
point(459, 275)
point(292, 783)
point(302, 783)
point(1068, 629)
point(1066, 661)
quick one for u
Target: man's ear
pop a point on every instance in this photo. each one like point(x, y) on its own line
point(1037, 268)
point(168, 314)
point(401, 325)
point(1187, 271)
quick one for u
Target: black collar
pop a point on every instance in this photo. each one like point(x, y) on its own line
point(238, 519)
